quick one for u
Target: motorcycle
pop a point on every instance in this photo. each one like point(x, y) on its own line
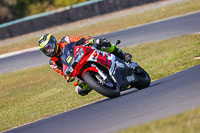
point(102, 71)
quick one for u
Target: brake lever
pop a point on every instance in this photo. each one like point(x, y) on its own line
point(118, 42)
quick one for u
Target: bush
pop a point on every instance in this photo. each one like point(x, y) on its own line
point(15, 9)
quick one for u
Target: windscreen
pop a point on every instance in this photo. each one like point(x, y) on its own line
point(68, 54)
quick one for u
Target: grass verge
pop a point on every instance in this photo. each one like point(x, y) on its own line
point(112, 24)
point(187, 122)
point(35, 93)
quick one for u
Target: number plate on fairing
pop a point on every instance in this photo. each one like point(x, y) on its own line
point(130, 78)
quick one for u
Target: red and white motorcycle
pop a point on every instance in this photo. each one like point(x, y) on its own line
point(102, 71)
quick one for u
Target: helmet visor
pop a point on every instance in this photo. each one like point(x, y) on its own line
point(49, 50)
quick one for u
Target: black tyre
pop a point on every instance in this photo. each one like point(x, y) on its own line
point(143, 77)
point(91, 80)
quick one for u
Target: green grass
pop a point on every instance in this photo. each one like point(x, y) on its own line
point(187, 122)
point(163, 58)
point(113, 24)
point(36, 93)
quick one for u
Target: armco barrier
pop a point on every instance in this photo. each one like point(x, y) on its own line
point(65, 15)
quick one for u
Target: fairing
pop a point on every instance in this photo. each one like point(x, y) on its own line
point(117, 68)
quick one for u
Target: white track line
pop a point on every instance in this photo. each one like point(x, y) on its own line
point(18, 52)
point(197, 58)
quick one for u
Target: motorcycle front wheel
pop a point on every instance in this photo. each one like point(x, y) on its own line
point(110, 92)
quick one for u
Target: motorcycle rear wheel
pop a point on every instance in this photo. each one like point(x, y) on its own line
point(144, 79)
point(91, 80)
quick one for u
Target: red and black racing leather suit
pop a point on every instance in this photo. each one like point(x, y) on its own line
point(55, 62)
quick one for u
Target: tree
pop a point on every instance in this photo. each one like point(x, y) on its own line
point(15, 9)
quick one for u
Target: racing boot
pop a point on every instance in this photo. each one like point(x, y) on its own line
point(81, 88)
point(105, 45)
point(122, 55)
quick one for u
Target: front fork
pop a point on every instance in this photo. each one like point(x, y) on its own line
point(104, 76)
point(104, 79)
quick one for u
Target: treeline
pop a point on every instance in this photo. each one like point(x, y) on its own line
point(15, 9)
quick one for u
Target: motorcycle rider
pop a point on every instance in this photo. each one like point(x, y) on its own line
point(53, 49)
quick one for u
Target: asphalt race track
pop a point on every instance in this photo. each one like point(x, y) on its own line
point(133, 36)
point(167, 96)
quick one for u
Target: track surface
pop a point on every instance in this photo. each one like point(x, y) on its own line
point(133, 36)
point(167, 96)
